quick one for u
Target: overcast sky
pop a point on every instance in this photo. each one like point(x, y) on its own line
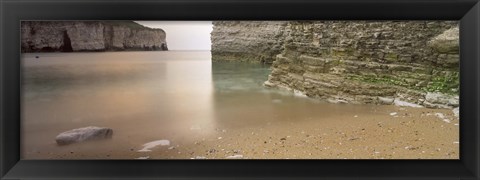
point(184, 35)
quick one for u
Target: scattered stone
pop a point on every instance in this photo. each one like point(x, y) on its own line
point(83, 134)
point(219, 138)
point(268, 84)
point(143, 157)
point(411, 148)
point(440, 100)
point(442, 116)
point(398, 102)
point(150, 145)
point(393, 113)
point(337, 101)
point(200, 157)
point(447, 42)
point(456, 112)
point(384, 100)
point(283, 139)
point(238, 156)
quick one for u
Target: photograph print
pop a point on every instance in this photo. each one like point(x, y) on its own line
point(239, 90)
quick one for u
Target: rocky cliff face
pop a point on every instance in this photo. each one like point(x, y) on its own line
point(371, 62)
point(250, 41)
point(413, 63)
point(68, 36)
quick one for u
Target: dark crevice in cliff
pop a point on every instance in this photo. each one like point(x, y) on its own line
point(67, 44)
point(164, 47)
point(47, 49)
point(108, 37)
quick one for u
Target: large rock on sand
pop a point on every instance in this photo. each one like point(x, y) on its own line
point(83, 134)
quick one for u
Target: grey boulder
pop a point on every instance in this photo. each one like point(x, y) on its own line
point(440, 100)
point(83, 134)
point(447, 42)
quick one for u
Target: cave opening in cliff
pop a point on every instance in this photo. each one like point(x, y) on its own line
point(67, 44)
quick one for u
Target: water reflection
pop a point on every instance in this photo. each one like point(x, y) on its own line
point(142, 96)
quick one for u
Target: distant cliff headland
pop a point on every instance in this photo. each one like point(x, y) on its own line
point(75, 36)
point(412, 63)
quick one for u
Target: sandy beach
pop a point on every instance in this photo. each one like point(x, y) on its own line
point(390, 132)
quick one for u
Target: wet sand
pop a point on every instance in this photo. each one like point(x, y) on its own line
point(414, 133)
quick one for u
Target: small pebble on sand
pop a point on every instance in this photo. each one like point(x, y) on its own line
point(143, 157)
point(238, 156)
point(150, 145)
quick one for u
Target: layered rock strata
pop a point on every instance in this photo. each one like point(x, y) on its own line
point(407, 63)
point(73, 36)
point(414, 63)
point(249, 41)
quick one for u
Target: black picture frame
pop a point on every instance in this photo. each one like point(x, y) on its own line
point(13, 11)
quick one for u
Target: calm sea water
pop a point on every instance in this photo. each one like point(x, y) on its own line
point(145, 96)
